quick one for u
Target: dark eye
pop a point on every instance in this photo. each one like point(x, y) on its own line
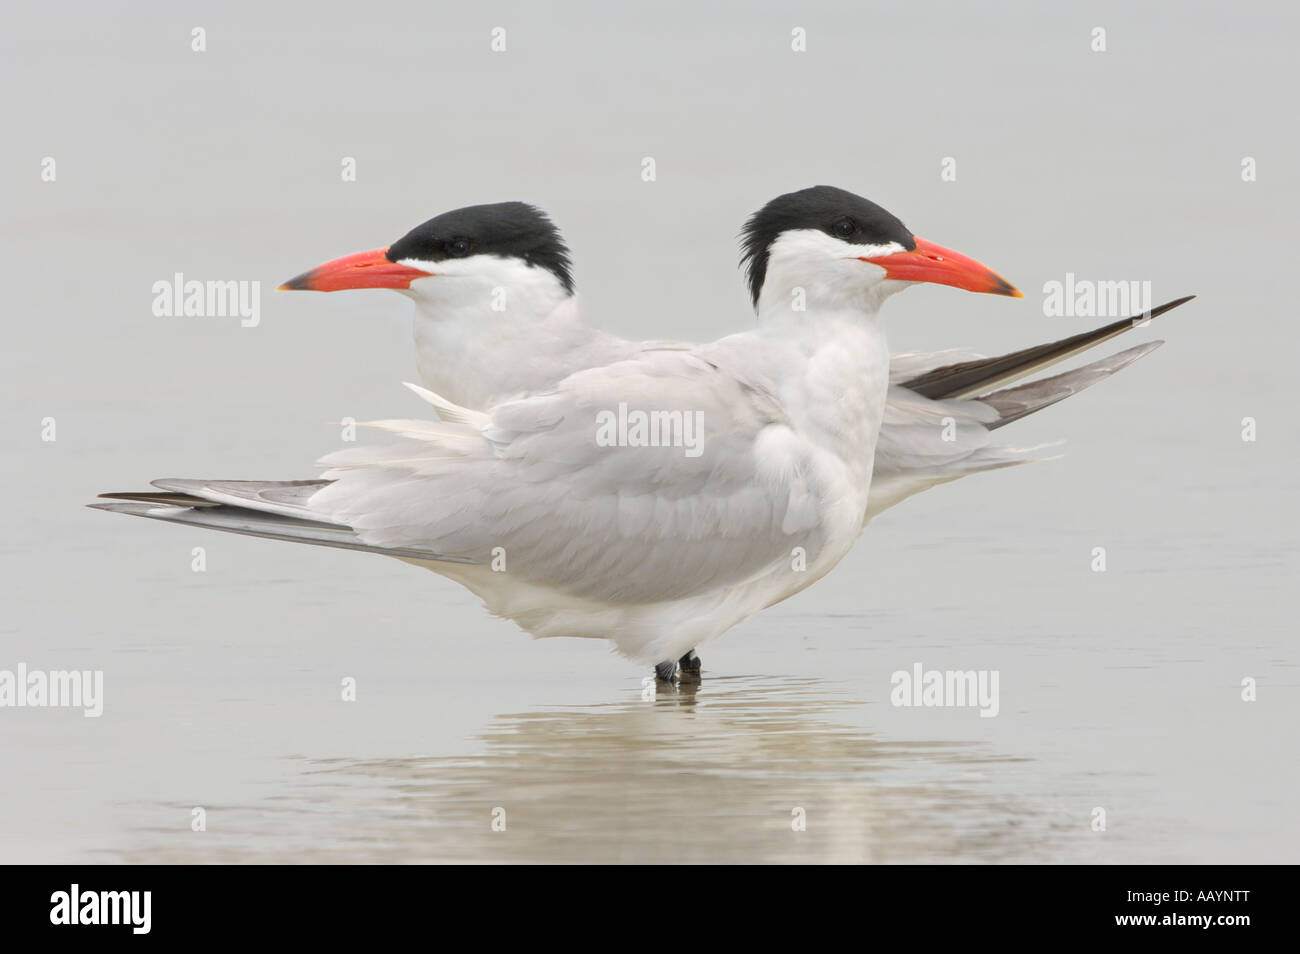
point(458, 246)
point(844, 227)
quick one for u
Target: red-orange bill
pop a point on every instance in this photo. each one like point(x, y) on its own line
point(942, 266)
point(363, 270)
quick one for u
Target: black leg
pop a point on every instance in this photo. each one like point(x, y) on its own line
point(690, 662)
point(665, 670)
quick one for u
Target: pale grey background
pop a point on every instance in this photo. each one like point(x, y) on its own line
point(1119, 690)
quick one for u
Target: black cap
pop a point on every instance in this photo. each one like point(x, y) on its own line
point(507, 229)
point(836, 212)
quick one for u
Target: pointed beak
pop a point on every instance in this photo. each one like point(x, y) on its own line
point(363, 270)
point(942, 266)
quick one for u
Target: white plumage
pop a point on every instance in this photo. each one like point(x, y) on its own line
point(514, 491)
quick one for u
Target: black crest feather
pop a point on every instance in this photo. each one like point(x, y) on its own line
point(507, 229)
point(822, 208)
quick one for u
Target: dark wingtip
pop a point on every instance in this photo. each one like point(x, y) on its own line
point(157, 497)
point(1167, 306)
point(1143, 317)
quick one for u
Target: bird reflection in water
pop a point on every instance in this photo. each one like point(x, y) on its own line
point(732, 769)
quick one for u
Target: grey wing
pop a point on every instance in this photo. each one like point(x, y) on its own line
point(196, 511)
point(926, 442)
point(539, 487)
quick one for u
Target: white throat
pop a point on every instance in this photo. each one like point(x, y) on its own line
point(484, 284)
point(484, 324)
point(811, 273)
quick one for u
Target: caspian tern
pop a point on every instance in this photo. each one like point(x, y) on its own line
point(496, 317)
point(653, 547)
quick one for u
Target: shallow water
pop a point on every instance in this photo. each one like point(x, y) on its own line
point(1119, 690)
point(703, 774)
